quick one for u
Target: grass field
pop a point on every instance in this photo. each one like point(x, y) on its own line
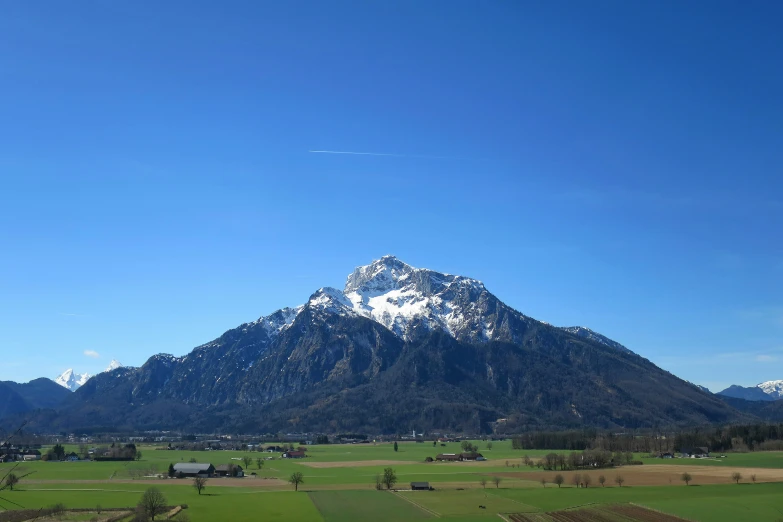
point(339, 485)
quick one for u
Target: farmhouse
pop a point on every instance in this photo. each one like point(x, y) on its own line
point(194, 469)
point(420, 486)
point(695, 453)
point(31, 455)
point(229, 470)
point(294, 455)
point(471, 455)
point(447, 457)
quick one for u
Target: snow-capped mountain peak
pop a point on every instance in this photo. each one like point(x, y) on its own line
point(403, 298)
point(772, 388)
point(331, 300)
point(113, 365)
point(71, 380)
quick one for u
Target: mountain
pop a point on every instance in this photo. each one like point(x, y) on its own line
point(587, 333)
point(71, 380)
point(768, 411)
point(772, 388)
point(113, 365)
point(37, 394)
point(766, 391)
point(397, 347)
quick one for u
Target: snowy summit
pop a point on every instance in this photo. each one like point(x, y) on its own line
point(71, 380)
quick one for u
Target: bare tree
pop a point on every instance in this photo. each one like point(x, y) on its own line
point(543, 481)
point(11, 480)
point(619, 480)
point(152, 503)
point(576, 479)
point(483, 482)
point(559, 480)
point(378, 482)
point(753, 478)
point(736, 476)
point(200, 483)
point(496, 480)
point(586, 480)
point(296, 479)
point(686, 477)
point(602, 480)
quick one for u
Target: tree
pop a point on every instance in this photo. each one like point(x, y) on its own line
point(576, 479)
point(247, 460)
point(389, 478)
point(11, 480)
point(138, 455)
point(296, 479)
point(619, 480)
point(753, 478)
point(483, 482)
point(58, 452)
point(395, 445)
point(199, 483)
point(171, 471)
point(489, 445)
point(260, 462)
point(586, 480)
point(602, 480)
point(152, 503)
point(686, 477)
point(496, 480)
point(543, 481)
point(736, 476)
point(434, 443)
point(467, 446)
point(378, 482)
point(559, 479)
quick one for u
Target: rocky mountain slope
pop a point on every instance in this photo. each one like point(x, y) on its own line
point(400, 347)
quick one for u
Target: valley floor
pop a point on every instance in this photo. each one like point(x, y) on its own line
point(339, 485)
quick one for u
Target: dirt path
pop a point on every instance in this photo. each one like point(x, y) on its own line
point(215, 482)
point(658, 475)
point(354, 463)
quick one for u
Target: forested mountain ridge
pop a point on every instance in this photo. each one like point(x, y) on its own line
point(398, 348)
point(40, 393)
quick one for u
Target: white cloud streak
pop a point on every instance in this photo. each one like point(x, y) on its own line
point(354, 153)
point(92, 353)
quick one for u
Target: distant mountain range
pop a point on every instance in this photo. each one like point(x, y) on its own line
point(399, 347)
point(73, 381)
point(766, 391)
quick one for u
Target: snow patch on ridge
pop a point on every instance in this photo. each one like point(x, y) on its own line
point(772, 388)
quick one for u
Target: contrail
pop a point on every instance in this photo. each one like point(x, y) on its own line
point(377, 154)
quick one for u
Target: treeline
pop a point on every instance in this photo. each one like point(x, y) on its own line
point(740, 437)
point(588, 459)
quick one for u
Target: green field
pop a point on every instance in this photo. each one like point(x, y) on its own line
point(347, 493)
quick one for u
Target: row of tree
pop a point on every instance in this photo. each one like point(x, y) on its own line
point(737, 437)
point(588, 459)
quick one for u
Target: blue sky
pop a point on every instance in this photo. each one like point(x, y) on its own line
point(609, 164)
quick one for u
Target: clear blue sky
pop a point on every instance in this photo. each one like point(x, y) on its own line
point(609, 164)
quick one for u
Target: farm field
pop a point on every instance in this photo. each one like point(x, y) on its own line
point(339, 485)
